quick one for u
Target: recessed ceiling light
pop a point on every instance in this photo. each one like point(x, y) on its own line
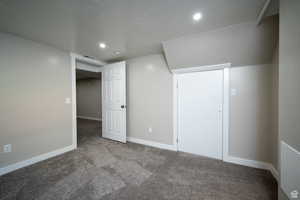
point(117, 52)
point(197, 16)
point(102, 45)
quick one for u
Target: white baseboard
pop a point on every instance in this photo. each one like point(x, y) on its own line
point(152, 144)
point(274, 172)
point(25, 163)
point(230, 159)
point(89, 118)
point(253, 163)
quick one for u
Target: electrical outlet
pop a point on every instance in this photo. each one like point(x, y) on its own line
point(150, 130)
point(7, 148)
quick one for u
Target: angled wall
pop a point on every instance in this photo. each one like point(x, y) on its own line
point(289, 94)
point(241, 44)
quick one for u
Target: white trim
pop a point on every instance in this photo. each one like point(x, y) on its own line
point(201, 68)
point(290, 147)
point(290, 155)
point(74, 111)
point(175, 111)
point(274, 172)
point(35, 159)
point(254, 164)
point(89, 118)
point(226, 111)
point(152, 144)
point(262, 12)
point(75, 57)
point(226, 101)
point(88, 68)
point(87, 59)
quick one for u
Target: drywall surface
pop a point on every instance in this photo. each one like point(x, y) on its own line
point(241, 44)
point(250, 113)
point(289, 73)
point(274, 113)
point(289, 78)
point(35, 80)
point(88, 94)
point(149, 99)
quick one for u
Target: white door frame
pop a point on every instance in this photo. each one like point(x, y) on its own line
point(76, 57)
point(226, 102)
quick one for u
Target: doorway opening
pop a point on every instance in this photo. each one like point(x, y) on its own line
point(88, 105)
point(109, 111)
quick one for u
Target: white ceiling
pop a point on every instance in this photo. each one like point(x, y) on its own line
point(134, 27)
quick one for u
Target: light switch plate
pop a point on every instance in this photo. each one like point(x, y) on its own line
point(233, 92)
point(150, 130)
point(7, 148)
point(67, 100)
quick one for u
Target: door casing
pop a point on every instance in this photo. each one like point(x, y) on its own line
point(76, 57)
point(226, 102)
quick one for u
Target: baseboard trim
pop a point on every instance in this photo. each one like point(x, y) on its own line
point(36, 159)
point(152, 144)
point(89, 118)
point(274, 172)
point(254, 164)
point(229, 159)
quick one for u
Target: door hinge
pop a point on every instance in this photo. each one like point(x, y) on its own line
point(177, 140)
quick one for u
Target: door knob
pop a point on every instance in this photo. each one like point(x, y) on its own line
point(123, 106)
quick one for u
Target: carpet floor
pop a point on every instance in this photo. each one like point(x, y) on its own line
point(104, 169)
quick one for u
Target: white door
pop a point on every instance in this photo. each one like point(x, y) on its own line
point(200, 97)
point(114, 102)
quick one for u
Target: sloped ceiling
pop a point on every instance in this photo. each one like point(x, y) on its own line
point(241, 44)
point(133, 27)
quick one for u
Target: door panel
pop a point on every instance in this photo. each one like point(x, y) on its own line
point(114, 98)
point(200, 97)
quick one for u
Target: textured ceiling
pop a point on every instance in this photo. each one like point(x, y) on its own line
point(133, 27)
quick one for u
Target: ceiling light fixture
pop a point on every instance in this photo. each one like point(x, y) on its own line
point(102, 45)
point(197, 16)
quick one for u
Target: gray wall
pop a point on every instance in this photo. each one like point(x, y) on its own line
point(35, 80)
point(251, 113)
point(241, 44)
point(150, 105)
point(88, 93)
point(149, 93)
point(289, 73)
point(275, 85)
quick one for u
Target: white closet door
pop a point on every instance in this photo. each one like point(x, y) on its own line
point(114, 102)
point(200, 97)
